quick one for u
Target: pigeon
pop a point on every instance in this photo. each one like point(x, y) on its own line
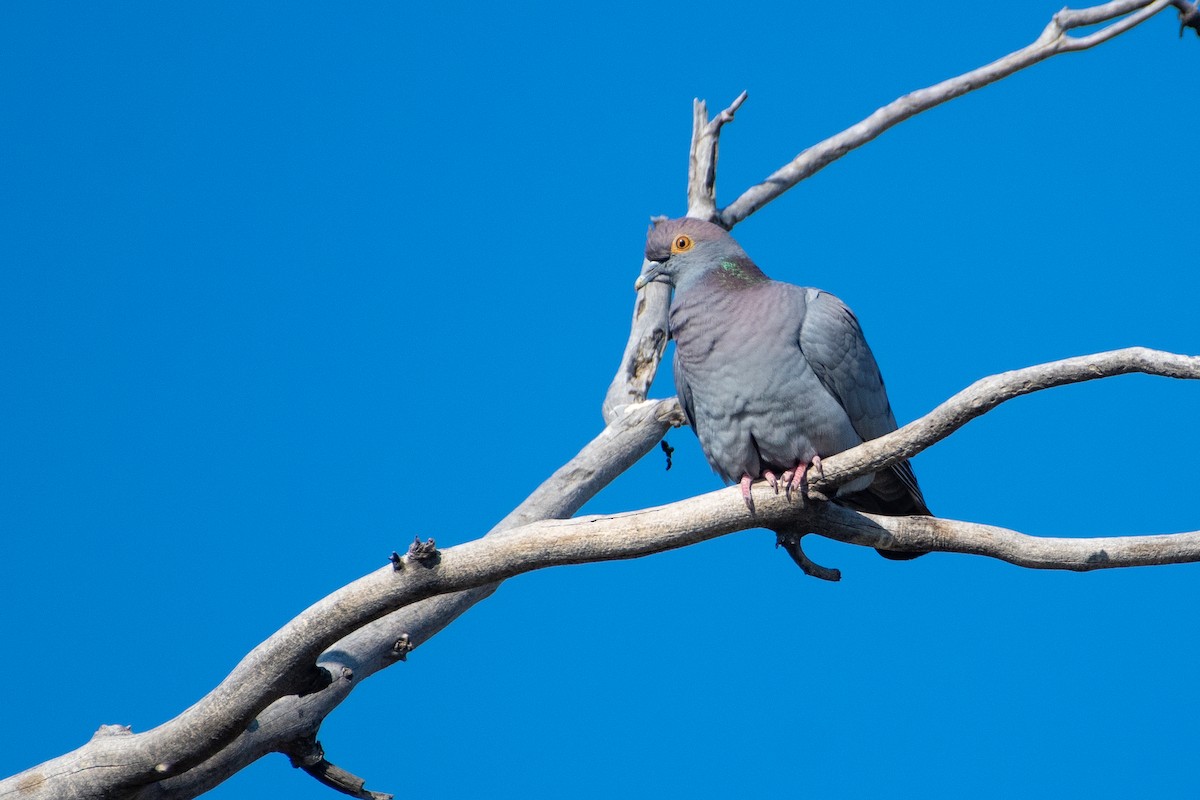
point(771, 376)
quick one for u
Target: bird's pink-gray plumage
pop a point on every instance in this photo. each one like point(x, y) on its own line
point(771, 375)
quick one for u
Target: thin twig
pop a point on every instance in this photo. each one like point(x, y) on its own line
point(1074, 44)
point(702, 159)
point(789, 540)
point(307, 754)
point(1052, 41)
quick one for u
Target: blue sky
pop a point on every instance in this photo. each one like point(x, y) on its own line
point(283, 288)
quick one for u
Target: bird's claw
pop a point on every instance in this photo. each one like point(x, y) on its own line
point(788, 478)
point(791, 479)
point(798, 478)
point(745, 484)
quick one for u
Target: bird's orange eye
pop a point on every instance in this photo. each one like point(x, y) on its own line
point(681, 244)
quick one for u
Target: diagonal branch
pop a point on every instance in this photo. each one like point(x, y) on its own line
point(379, 644)
point(308, 755)
point(283, 662)
point(1051, 42)
point(649, 332)
point(1067, 19)
point(238, 722)
point(984, 395)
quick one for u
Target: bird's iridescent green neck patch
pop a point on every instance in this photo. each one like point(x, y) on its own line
point(736, 271)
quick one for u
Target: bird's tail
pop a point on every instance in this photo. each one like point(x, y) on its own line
point(893, 493)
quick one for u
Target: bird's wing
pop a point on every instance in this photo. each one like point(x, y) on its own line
point(684, 390)
point(833, 344)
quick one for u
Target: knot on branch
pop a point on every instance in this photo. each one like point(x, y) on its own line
point(304, 752)
point(112, 730)
point(418, 551)
point(402, 647)
point(422, 552)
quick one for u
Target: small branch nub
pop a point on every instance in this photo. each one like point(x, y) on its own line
point(307, 754)
point(402, 647)
point(112, 730)
point(790, 541)
point(422, 551)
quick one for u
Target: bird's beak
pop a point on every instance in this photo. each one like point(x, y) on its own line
point(651, 270)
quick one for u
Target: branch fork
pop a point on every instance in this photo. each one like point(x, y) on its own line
point(377, 620)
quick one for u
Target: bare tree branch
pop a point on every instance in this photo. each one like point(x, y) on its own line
point(1035, 552)
point(122, 763)
point(1052, 41)
point(984, 395)
point(277, 697)
point(648, 333)
point(372, 647)
point(1062, 21)
point(647, 340)
point(308, 755)
point(702, 161)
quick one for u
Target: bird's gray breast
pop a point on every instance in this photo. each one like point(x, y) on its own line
point(751, 395)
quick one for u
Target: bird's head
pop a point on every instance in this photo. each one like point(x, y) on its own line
point(680, 252)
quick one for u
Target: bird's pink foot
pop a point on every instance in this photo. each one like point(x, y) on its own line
point(745, 484)
point(771, 479)
point(787, 478)
point(798, 477)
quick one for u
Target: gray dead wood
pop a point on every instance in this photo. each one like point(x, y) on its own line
point(276, 697)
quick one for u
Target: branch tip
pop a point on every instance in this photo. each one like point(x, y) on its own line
point(306, 753)
point(790, 541)
point(727, 115)
point(1121, 15)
